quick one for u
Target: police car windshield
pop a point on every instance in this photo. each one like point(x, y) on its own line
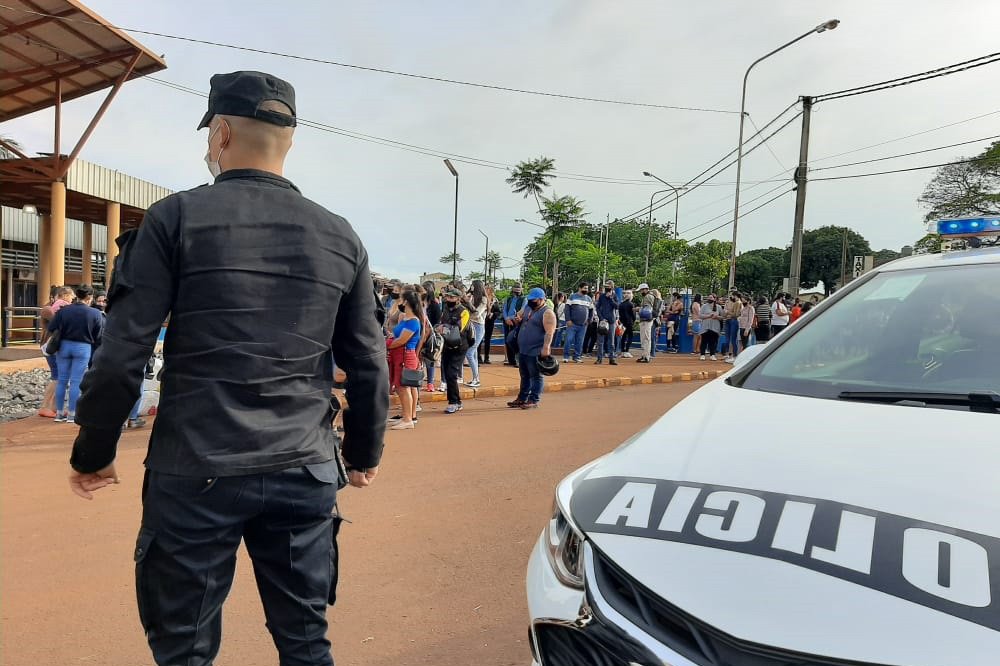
point(935, 329)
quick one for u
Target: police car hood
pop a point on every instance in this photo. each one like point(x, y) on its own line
point(840, 529)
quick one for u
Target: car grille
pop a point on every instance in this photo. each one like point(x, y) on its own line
point(686, 635)
point(560, 645)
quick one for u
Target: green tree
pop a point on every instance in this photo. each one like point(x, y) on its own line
point(6, 153)
point(929, 244)
point(451, 258)
point(823, 255)
point(706, 265)
point(970, 188)
point(529, 178)
point(761, 271)
point(885, 256)
point(491, 262)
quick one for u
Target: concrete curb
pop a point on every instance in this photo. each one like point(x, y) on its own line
point(575, 385)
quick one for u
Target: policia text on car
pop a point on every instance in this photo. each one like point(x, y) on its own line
point(263, 288)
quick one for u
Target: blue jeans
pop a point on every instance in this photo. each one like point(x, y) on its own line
point(574, 342)
point(733, 336)
point(134, 414)
point(429, 365)
point(472, 356)
point(73, 358)
point(532, 382)
point(654, 337)
point(606, 344)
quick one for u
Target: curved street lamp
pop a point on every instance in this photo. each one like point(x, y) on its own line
point(822, 27)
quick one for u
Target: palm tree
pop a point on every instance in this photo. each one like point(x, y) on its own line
point(559, 213)
point(528, 178)
point(6, 153)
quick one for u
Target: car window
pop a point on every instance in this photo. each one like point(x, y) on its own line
point(935, 329)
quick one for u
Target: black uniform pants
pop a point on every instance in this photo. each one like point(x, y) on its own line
point(484, 347)
point(511, 349)
point(185, 557)
point(451, 368)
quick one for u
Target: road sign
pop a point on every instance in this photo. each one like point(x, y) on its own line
point(862, 264)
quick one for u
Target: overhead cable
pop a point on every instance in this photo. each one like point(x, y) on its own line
point(379, 70)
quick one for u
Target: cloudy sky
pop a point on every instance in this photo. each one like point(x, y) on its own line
point(670, 53)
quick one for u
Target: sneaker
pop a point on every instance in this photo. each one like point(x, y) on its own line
point(451, 409)
point(626, 355)
point(514, 404)
point(136, 423)
point(486, 361)
point(529, 404)
point(419, 409)
point(403, 425)
point(714, 357)
point(613, 362)
point(60, 418)
point(598, 361)
point(475, 383)
point(730, 360)
point(429, 388)
point(566, 360)
point(578, 360)
point(702, 357)
point(47, 413)
point(71, 419)
point(642, 360)
point(443, 388)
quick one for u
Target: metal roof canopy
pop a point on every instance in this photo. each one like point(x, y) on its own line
point(77, 47)
point(89, 187)
point(54, 51)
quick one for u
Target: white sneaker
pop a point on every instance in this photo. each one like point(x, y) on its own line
point(443, 388)
point(702, 357)
point(730, 360)
point(714, 357)
point(419, 408)
point(626, 355)
point(475, 383)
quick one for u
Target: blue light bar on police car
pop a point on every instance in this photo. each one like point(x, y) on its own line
point(969, 226)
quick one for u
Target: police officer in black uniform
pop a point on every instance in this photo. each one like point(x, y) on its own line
point(263, 287)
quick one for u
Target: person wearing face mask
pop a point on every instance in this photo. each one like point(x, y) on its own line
point(243, 449)
point(711, 314)
point(456, 329)
point(538, 326)
point(511, 308)
point(607, 315)
point(579, 314)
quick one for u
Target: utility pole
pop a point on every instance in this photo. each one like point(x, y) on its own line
point(843, 262)
point(607, 236)
point(795, 270)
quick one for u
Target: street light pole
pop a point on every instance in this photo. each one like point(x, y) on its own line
point(822, 27)
point(677, 212)
point(649, 230)
point(454, 244)
point(486, 257)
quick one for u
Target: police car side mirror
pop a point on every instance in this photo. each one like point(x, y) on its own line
point(748, 354)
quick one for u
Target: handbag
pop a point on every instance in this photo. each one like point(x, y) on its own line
point(646, 313)
point(51, 346)
point(412, 378)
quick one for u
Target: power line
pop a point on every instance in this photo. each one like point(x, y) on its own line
point(422, 150)
point(379, 70)
point(911, 78)
point(916, 152)
point(742, 215)
point(908, 136)
point(688, 190)
point(767, 145)
point(917, 168)
point(730, 211)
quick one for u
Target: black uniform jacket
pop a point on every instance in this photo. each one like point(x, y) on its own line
point(263, 288)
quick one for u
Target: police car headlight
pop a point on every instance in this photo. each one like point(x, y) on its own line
point(565, 548)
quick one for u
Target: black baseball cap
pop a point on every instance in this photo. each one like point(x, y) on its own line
point(243, 93)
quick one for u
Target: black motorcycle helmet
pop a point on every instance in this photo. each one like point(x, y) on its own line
point(548, 365)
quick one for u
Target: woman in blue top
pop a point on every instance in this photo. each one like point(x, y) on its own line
point(406, 336)
point(80, 327)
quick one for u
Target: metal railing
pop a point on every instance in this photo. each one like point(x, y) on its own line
point(21, 326)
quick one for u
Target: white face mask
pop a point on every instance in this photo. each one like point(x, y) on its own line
point(213, 166)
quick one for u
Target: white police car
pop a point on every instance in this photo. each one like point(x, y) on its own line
point(833, 500)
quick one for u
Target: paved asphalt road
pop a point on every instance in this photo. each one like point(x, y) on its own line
point(432, 566)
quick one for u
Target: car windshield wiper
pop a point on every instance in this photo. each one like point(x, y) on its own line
point(976, 401)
